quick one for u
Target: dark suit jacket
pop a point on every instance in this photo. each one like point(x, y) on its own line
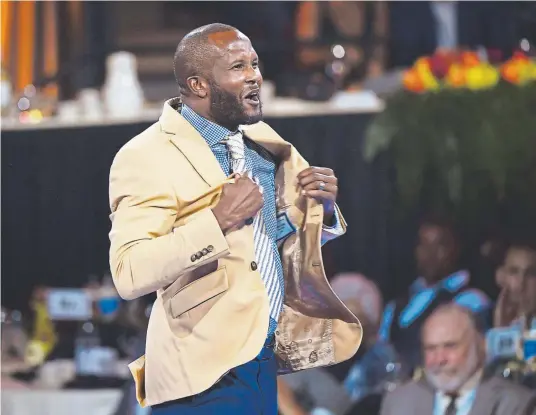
point(495, 396)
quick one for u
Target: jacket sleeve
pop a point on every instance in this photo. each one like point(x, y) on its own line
point(147, 251)
point(529, 408)
point(338, 229)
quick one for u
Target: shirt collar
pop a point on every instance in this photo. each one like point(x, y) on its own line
point(210, 131)
point(467, 389)
point(452, 283)
point(473, 382)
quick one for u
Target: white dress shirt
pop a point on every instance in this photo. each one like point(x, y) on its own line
point(466, 397)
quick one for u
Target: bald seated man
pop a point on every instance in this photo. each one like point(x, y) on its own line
point(453, 381)
point(224, 220)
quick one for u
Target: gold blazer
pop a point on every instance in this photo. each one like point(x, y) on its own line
point(211, 313)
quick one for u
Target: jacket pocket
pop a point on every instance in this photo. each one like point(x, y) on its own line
point(192, 302)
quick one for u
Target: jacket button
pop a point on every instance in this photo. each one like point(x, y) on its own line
point(193, 258)
point(253, 266)
point(204, 251)
point(210, 248)
point(198, 255)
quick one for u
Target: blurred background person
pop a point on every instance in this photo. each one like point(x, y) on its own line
point(336, 389)
point(453, 383)
point(440, 281)
point(516, 277)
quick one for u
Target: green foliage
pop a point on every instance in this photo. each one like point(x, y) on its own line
point(470, 153)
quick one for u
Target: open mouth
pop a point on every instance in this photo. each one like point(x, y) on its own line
point(253, 97)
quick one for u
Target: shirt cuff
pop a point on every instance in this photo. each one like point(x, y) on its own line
point(333, 231)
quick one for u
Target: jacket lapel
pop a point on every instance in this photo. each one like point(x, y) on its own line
point(190, 143)
point(484, 402)
point(266, 136)
point(426, 399)
point(290, 164)
point(485, 399)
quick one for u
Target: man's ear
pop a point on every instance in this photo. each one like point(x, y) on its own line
point(198, 86)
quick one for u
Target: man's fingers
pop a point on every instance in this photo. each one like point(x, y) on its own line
point(322, 170)
point(312, 177)
point(329, 187)
point(320, 194)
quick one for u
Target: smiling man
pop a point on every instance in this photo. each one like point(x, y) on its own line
point(220, 216)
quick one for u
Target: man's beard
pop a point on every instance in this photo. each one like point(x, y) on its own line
point(228, 110)
point(452, 383)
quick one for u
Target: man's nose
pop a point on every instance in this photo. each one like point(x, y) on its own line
point(439, 358)
point(253, 76)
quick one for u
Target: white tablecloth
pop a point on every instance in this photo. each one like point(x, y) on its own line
point(356, 102)
point(59, 402)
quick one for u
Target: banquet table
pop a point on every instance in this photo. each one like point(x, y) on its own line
point(59, 402)
point(55, 211)
point(46, 393)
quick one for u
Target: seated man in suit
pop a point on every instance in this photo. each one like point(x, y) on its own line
point(453, 381)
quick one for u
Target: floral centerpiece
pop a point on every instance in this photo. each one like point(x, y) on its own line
point(462, 136)
point(466, 70)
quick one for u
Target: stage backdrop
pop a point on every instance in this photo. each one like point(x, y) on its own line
point(55, 210)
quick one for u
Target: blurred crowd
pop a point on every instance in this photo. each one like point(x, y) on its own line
point(99, 341)
point(442, 335)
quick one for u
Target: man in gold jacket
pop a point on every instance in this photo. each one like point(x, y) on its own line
point(220, 216)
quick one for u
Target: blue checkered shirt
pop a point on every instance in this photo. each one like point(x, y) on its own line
point(262, 164)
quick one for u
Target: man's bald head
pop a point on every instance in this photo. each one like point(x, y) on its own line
point(219, 77)
point(196, 51)
point(460, 318)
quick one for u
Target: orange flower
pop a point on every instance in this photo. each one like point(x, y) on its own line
point(510, 71)
point(456, 76)
point(412, 81)
point(469, 59)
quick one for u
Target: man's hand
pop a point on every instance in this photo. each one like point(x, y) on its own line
point(320, 183)
point(239, 202)
point(507, 309)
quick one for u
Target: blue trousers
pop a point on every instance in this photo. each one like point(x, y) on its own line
point(249, 389)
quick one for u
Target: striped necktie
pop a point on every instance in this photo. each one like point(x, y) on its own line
point(264, 251)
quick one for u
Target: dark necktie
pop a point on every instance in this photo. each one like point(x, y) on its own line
point(451, 408)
